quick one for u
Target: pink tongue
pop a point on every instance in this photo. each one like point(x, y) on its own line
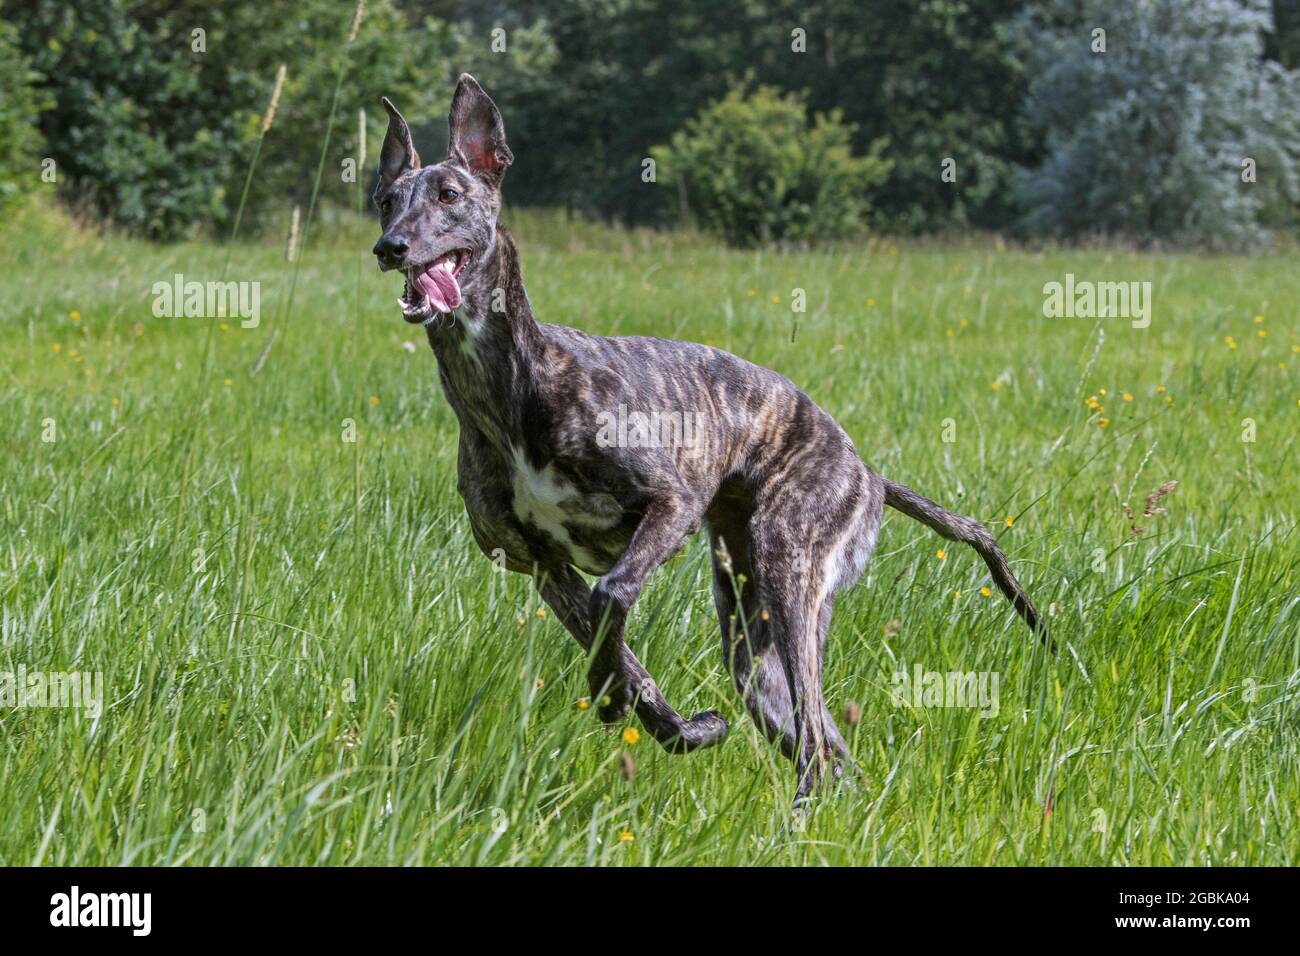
point(441, 287)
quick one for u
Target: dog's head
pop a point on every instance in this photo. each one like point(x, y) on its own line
point(439, 222)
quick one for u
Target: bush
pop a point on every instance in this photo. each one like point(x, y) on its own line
point(20, 105)
point(1146, 141)
point(752, 169)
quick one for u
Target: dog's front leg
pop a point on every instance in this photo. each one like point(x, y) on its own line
point(567, 594)
point(663, 528)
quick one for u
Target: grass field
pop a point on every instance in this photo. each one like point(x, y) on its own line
point(307, 661)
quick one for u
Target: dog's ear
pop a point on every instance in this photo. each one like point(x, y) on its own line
point(476, 135)
point(398, 154)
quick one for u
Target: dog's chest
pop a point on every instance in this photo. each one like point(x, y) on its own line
point(585, 527)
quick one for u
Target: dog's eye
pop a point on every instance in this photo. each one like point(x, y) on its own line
point(386, 206)
point(448, 195)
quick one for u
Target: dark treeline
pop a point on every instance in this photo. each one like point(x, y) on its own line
point(988, 114)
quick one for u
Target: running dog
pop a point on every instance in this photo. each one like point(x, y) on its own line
point(552, 487)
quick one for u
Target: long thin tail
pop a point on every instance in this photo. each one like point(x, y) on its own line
point(956, 528)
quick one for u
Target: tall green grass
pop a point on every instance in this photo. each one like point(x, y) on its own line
point(339, 677)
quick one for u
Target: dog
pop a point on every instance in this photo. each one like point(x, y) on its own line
point(551, 487)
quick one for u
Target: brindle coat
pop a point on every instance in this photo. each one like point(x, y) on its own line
point(791, 511)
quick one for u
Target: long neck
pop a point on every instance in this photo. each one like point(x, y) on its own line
point(488, 352)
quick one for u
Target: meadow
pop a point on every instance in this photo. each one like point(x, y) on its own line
point(306, 660)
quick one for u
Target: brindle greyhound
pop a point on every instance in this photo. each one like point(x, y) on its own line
point(791, 510)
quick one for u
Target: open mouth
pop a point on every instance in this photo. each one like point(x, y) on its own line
point(433, 287)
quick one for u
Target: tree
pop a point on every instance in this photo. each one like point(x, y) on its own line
point(157, 102)
point(1156, 128)
point(20, 105)
point(591, 85)
point(1283, 44)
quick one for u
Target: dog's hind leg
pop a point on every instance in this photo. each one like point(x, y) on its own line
point(794, 617)
point(843, 758)
point(567, 594)
point(834, 738)
point(803, 552)
point(749, 647)
point(771, 645)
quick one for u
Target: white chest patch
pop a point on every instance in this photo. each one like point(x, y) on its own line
point(545, 499)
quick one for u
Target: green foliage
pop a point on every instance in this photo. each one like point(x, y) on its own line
point(1148, 139)
point(1283, 44)
point(120, 130)
point(154, 125)
point(751, 169)
point(940, 81)
point(935, 79)
point(20, 105)
point(156, 137)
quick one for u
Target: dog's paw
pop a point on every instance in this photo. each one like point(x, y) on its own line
point(613, 705)
point(704, 730)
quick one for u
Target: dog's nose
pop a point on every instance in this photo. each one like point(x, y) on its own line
point(391, 250)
